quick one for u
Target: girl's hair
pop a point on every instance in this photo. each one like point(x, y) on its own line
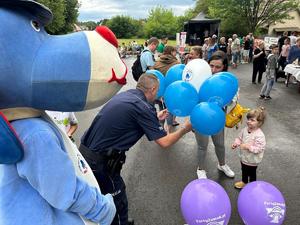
point(168, 50)
point(259, 114)
point(198, 50)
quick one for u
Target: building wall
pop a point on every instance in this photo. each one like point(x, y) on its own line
point(287, 25)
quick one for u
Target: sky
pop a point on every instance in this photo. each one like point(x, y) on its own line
point(95, 10)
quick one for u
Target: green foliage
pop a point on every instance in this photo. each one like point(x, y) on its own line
point(243, 16)
point(71, 15)
point(124, 26)
point(65, 13)
point(161, 22)
point(189, 14)
point(90, 25)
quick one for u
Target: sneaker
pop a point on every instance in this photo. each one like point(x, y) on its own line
point(268, 98)
point(201, 174)
point(226, 169)
point(130, 221)
point(262, 97)
point(239, 185)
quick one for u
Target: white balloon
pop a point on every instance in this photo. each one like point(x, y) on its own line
point(196, 72)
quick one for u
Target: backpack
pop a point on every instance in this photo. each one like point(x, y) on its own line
point(235, 116)
point(137, 67)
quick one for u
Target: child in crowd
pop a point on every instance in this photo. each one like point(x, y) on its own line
point(251, 142)
point(272, 66)
point(66, 121)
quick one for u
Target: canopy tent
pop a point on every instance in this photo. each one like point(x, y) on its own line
point(199, 28)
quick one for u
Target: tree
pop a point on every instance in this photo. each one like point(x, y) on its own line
point(261, 13)
point(65, 13)
point(123, 26)
point(251, 14)
point(189, 14)
point(161, 22)
point(71, 15)
point(58, 9)
point(90, 25)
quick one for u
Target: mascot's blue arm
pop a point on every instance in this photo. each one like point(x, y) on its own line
point(49, 170)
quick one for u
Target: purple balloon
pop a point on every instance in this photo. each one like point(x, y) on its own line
point(203, 202)
point(261, 203)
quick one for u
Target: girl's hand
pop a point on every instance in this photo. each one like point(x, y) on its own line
point(234, 146)
point(244, 146)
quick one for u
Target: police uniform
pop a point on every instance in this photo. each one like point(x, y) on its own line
point(116, 128)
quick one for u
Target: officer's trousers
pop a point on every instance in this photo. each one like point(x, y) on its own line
point(109, 182)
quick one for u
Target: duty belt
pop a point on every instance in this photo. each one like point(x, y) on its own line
point(114, 159)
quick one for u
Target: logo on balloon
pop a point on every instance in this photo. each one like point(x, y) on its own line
point(188, 76)
point(216, 99)
point(212, 221)
point(216, 223)
point(276, 212)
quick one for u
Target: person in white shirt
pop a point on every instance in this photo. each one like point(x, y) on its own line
point(66, 121)
point(293, 38)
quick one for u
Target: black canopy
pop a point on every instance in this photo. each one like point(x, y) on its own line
point(199, 28)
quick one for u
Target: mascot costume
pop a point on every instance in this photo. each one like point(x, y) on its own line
point(44, 180)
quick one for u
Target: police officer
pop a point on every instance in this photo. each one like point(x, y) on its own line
point(116, 128)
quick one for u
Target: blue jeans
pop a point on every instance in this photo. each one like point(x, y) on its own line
point(266, 89)
point(235, 57)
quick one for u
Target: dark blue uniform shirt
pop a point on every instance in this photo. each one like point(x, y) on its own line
point(122, 122)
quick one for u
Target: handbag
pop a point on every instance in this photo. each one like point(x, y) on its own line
point(235, 116)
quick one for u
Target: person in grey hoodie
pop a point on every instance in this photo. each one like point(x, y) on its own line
point(270, 73)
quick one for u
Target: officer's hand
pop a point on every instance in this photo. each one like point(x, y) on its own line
point(187, 126)
point(162, 115)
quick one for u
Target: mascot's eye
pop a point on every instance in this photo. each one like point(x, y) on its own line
point(35, 25)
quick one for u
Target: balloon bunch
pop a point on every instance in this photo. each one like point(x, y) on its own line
point(191, 90)
point(205, 202)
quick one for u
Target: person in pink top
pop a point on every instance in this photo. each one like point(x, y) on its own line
point(251, 142)
point(284, 53)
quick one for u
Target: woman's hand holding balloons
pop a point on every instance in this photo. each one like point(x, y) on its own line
point(163, 114)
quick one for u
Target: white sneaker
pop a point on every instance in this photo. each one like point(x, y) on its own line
point(201, 174)
point(226, 169)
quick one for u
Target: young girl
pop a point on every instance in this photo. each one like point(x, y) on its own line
point(251, 142)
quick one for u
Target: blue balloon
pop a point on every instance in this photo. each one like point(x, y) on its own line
point(220, 88)
point(161, 79)
point(174, 74)
point(230, 75)
point(208, 118)
point(180, 98)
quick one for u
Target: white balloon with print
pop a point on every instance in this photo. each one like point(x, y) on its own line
point(196, 72)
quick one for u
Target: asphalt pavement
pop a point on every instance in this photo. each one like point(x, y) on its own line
point(156, 177)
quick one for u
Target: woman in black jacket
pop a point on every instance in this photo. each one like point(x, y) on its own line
point(259, 63)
